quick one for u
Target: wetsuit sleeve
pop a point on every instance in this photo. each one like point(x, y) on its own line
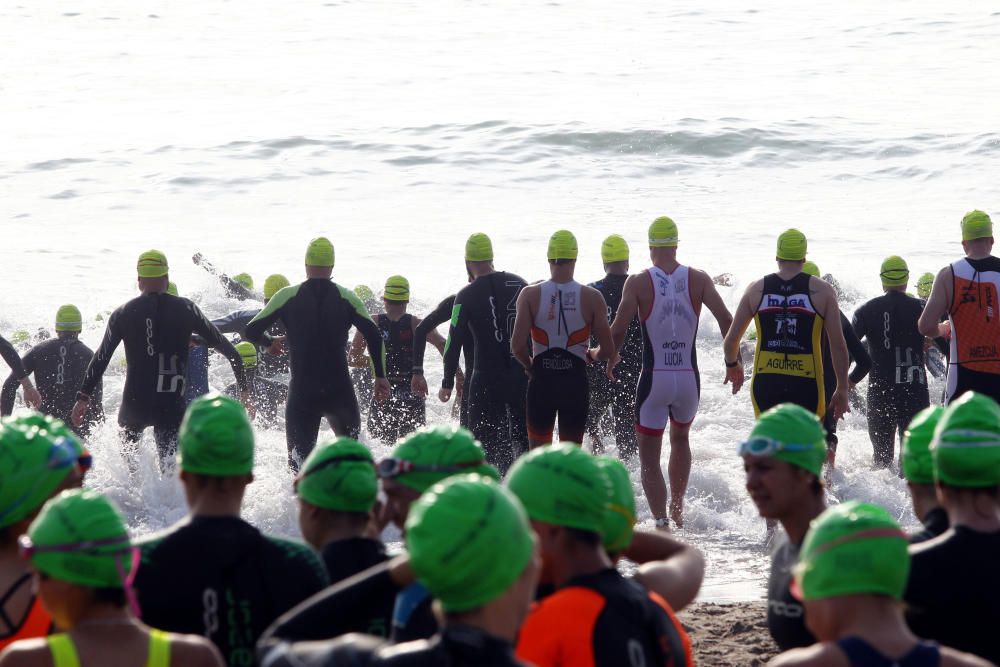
point(436, 317)
point(99, 363)
point(9, 391)
point(11, 357)
point(364, 323)
point(857, 352)
point(214, 338)
point(235, 323)
point(256, 329)
point(457, 332)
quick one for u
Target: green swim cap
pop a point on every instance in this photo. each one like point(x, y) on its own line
point(80, 537)
point(152, 264)
point(976, 225)
point(68, 318)
point(966, 445)
point(894, 272)
point(614, 249)
point(20, 337)
point(320, 252)
point(35, 458)
point(273, 283)
point(339, 476)
point(479, 248)
point(789, 433)
point(853, 549)
point(172, 288)
point(562, 485)
point(915, 456)
point(469, 540)
point(663, 233)
point(562, 245)
point(364, 292)
point(244, 279)
point(619, 519)
point(216, 438)
point(248, 352)
point(811, 269)
point(437, 452)
point(397, 288)
point(924, 285)
point(792, 246)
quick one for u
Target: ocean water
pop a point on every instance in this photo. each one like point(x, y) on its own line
point(241, 130)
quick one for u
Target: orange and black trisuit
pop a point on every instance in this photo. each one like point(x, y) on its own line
point(603, 620)
point(35, 623)
point(558, 386)
point(975, 328)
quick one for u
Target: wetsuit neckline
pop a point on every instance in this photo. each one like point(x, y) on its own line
point(8, 594)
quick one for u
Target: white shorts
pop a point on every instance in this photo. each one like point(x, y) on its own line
point(663, 396)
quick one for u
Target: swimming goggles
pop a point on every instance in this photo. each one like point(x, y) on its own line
point(391, 467)
point(761, 446)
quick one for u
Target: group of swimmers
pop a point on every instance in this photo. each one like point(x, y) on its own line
point(471, 543)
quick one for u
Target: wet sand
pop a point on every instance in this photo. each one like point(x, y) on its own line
point(729, 634)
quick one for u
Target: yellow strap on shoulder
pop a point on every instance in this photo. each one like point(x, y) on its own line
point(159, 649)
point(63, 651)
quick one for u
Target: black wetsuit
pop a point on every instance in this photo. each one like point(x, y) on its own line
point(12, 359)
point(856, 354)
point(59, 365)
point(221, 578)
point(485, 310)
point(156, 329)
point(362, 603)
point(897, 386)
point(431, 321)
point(345, 558)
point(786, 617)
point(618, 396)
point(951, 595)
point(266, 395)
point(404, 412)
point(317, 315)
point(934, 523)
point(455, 646)
point(268, 365)
point(862, 654)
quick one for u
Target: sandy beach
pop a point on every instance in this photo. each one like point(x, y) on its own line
point(729, 634)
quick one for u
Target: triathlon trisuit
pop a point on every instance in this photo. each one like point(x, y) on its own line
point(670, 385)
point(438, 316)
point(59, 365)
point(156, 329)
point(604, 620)
point(560, 337)
point(897, 387)
point(404, 412)
point(975, 328)
point(788, 362)
point(64, 652)
point(485, 310)
point(862, 654)
point(619, 396)
point(318, 314)
point(35, 623)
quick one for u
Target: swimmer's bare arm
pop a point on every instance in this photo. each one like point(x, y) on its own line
point(520, 344)
point(731, 343)
point(356, 356)
point(817, 655)
point(667, 566)
point(930, 323)
point(825, 299)
point(627, 309)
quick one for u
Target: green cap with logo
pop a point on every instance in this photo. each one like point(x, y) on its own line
point(273, 283)
point(339, 476)
point(562, 485)
point(152, 264)
point(976, 225)
point(894, 272)
point(853, 549)
point(792, 246)
point(68, 318)
point(663, 233)
point(915, 457)
point(449, 449)
point(614, 249)
point(320, 253)
point(619, 519)
point(216, 438)
point(468, 540)
point(81, 538)
point(966, 445)
point(479, 248)
point(789, 433)
point(397, 288)
point(248, 353)
point(562, 245)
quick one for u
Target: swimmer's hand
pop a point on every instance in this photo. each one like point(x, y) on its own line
point(735, 377)
point(382, 389)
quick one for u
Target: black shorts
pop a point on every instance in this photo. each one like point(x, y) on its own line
point(770, 389)
point(962, 379)
point(558, 389)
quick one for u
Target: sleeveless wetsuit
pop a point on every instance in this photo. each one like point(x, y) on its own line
point(558, 387)
point(786, 617)
point(788, 362)
point(670, 385)
point(862, 654)
point(64, 652)
point(974, 362)
point(35, 623)
point(403, 413)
